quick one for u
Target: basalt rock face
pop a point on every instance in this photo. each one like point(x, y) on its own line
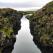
point(41, 27)
point(9, 26)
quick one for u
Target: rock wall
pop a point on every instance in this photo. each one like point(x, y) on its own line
point(9, 25)
point(41, 27)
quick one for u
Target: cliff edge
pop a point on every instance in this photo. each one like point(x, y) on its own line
point(41, 27)
point(9, 25)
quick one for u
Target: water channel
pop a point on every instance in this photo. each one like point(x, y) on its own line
point(24, 40)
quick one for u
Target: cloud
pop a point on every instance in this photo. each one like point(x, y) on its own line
point(17, 5)
point(15, 1)
point(28, 4)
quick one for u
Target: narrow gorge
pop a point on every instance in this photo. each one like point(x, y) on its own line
point(39, 26)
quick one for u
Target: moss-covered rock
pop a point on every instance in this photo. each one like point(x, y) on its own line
point(41, 26)
point(9, 26)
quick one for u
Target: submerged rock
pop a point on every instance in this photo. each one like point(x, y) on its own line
point(41, 27)
point(9, 26)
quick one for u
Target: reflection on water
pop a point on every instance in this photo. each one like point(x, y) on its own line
point(24, 43)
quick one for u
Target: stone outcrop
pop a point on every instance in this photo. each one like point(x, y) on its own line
point(41, 27)
point(9, 25)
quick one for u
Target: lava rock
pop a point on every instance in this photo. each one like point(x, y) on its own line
point(41, 28)
point(10, 23)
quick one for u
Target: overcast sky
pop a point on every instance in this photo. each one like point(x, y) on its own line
point(23, 4)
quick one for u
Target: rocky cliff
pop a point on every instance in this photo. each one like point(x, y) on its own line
point(9, 26)
point(41, 27)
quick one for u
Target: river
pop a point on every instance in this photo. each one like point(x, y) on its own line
point(24, 40)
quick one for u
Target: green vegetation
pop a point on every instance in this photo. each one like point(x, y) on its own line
point(6, 28)
point(41, 24)
point(8, 18)
point(9, 26)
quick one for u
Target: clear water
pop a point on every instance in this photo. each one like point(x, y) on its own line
point(24, 40)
